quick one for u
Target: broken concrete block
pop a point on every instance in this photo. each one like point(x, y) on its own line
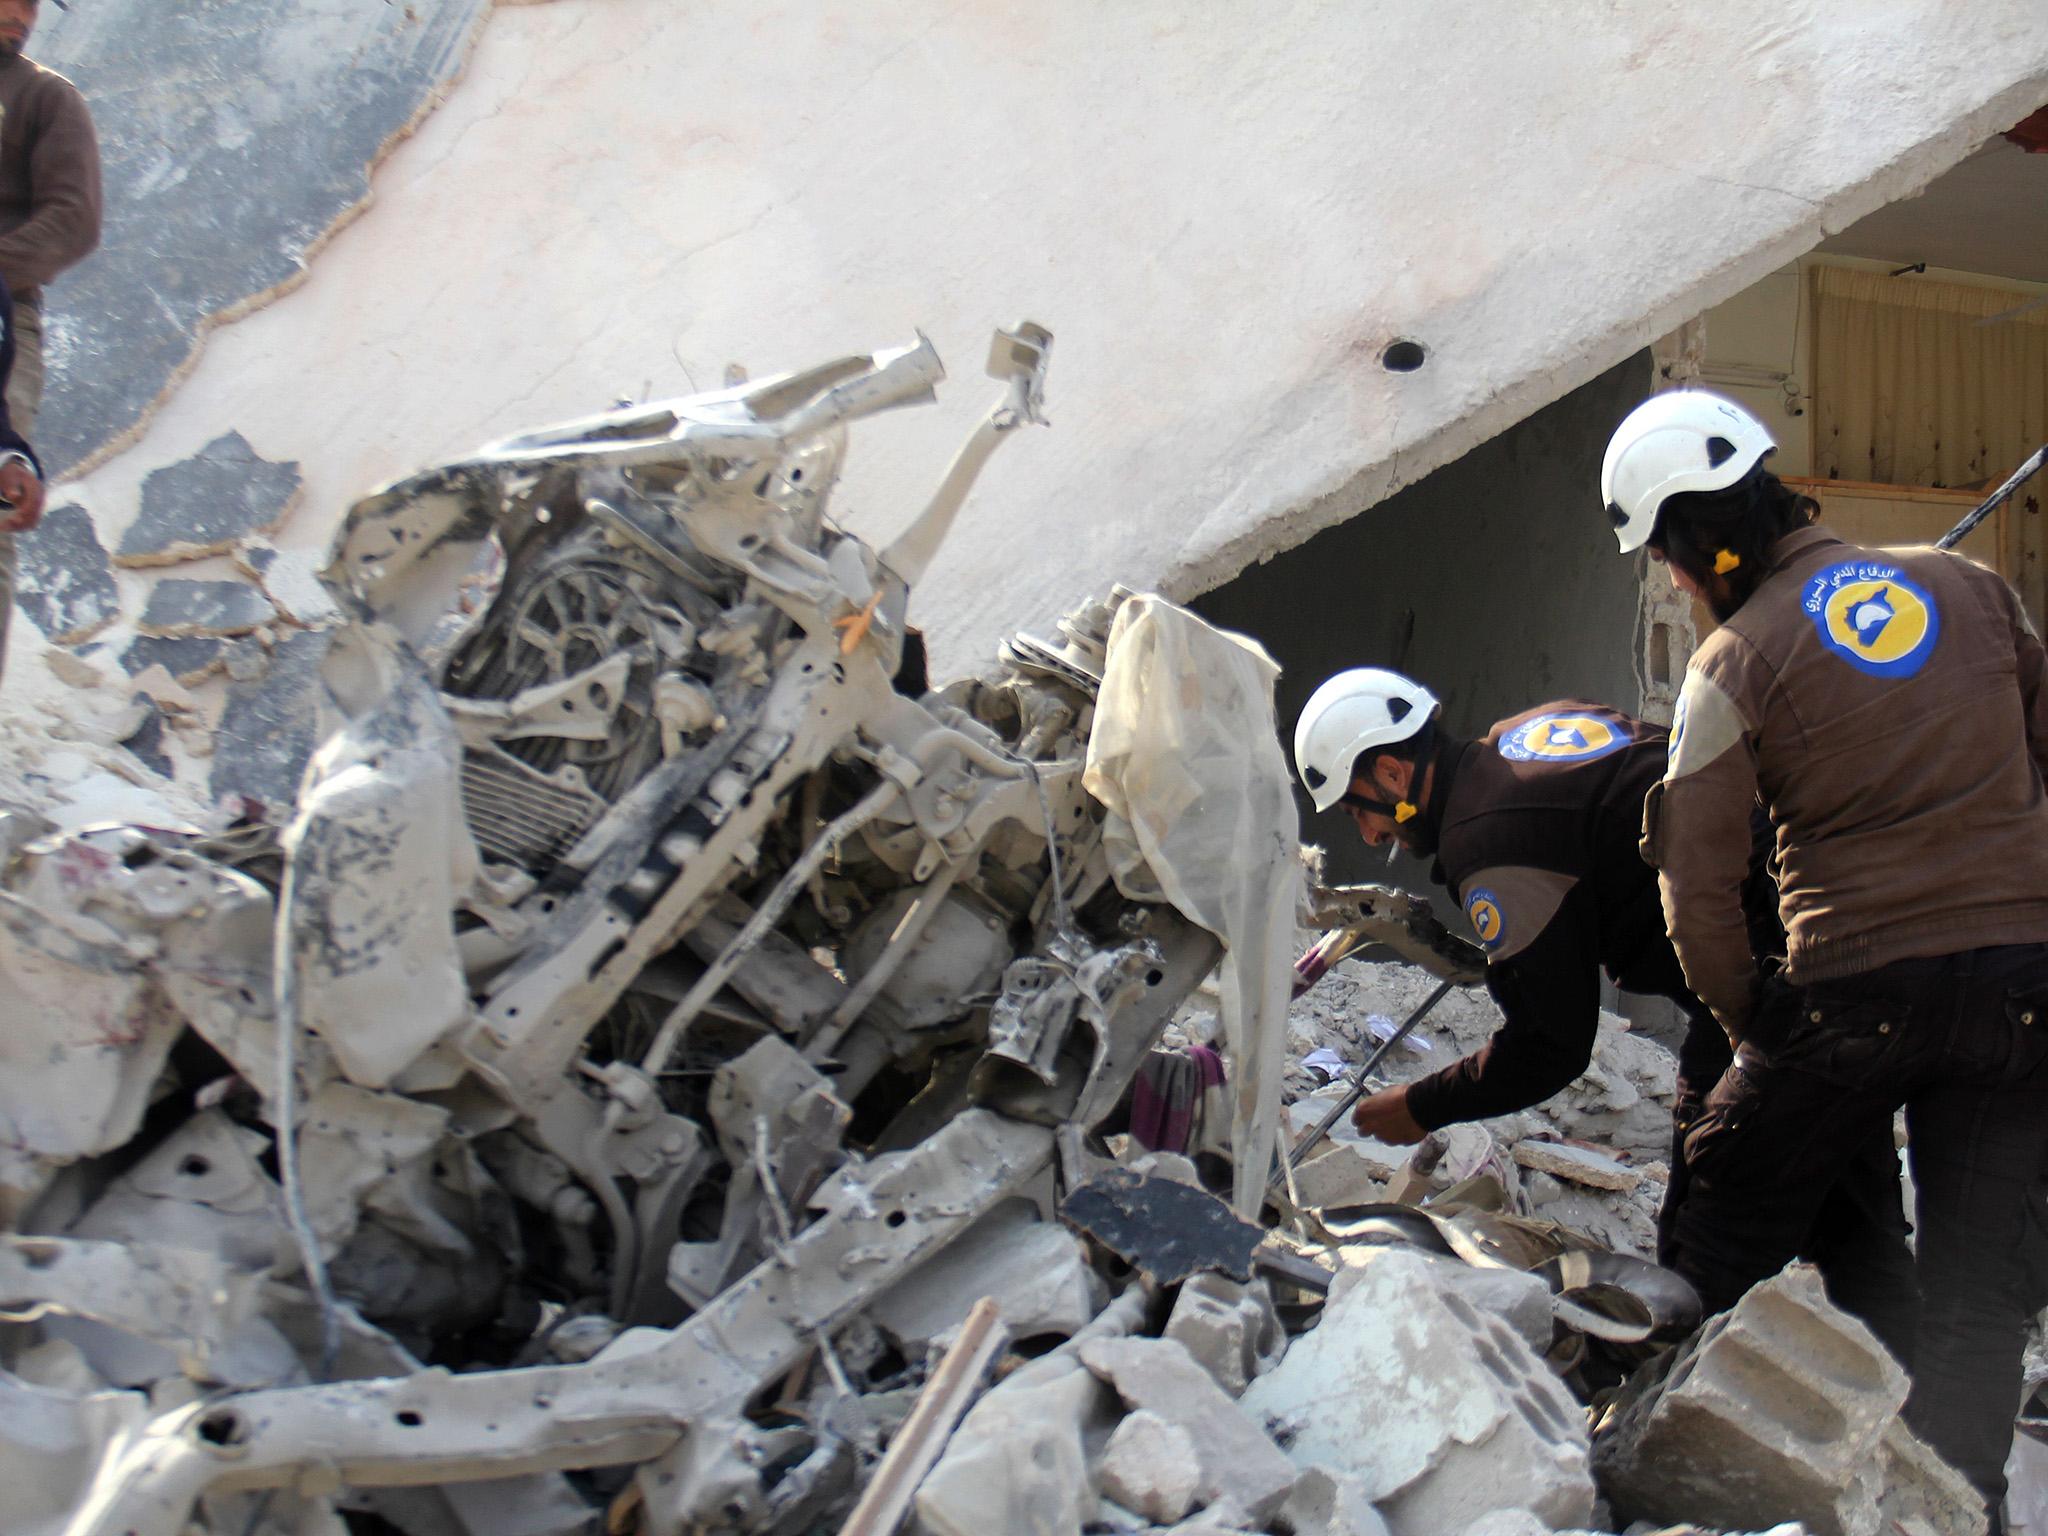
point(1231, 1329)
point(207, 504)
point(1383, 1160)
point(1036, 1271)
point(1237, 1461)
point(1149, 1467)
point(1922, 1494)
point(1346, 1174)
point(183, 609)
point(1775, 1408)
point(1329, 1503)
point(72, 669)
point(63, 582)
point(271, 726)
point(1576, 1165)
point(1509, 1522)
point(1441, 1411)
point(190, 662)
point(1520, 1298)
point(1016, 1463)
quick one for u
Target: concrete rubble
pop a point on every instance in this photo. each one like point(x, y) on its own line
point(1782, 1405)
point(610, 1047)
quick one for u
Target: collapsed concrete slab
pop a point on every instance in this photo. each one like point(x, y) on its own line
point(1443, 1412)
point(1333, 168)
point(64, 583)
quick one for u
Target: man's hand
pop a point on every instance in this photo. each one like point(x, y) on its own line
point(1384, 1117)
point(18, 484)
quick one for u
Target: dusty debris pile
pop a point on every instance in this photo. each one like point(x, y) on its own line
point(672, 1071)
point(1593, 1158)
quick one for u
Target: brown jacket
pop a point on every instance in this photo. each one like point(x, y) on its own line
point(49, 177)
point(1887, 705)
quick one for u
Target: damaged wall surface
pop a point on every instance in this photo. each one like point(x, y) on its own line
point(1493, 580)
point(234, 136)
point(1228, 222)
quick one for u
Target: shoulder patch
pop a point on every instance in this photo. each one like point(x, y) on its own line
point(1511, 905)
point(1482, 909)
point(1705, 724)
point(1873, 616)
point(1564, 737)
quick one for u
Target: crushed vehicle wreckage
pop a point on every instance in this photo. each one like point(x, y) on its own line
point(651, 1081)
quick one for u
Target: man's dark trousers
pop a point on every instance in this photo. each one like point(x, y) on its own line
point(1962, 1042)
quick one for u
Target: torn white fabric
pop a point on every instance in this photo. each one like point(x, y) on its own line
point(1186, 756)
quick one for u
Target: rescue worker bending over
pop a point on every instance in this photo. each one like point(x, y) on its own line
point(1887, 705)
point(1536, 829)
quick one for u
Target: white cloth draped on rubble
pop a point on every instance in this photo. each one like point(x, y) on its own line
point(1186, 756)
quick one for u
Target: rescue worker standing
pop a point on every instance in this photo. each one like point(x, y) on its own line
point(1887, 705)
point(1536, 829)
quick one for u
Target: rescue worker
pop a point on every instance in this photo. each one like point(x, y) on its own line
point(1535, 829)
point(1887, 705)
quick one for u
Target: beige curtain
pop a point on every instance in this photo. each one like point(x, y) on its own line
point(1909, 389)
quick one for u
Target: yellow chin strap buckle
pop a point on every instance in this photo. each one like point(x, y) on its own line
point(1403, 810)
point(1726, 561)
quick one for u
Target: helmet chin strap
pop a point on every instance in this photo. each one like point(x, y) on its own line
point(1399, 810)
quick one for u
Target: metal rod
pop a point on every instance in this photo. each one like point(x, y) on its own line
point(1309, 1142)
point(1984, 508)
point(877, 800)
point(915, 1448)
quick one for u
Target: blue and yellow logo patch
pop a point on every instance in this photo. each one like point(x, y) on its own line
point(1563, 738)
point(1871, 616)
point(1482, 908)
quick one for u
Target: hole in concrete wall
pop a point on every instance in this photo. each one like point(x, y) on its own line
point(1404, 357)
point(1660, 653)
point(223, 1427)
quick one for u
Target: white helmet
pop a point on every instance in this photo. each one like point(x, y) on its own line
point(1364, 707)
point(1683, 440)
